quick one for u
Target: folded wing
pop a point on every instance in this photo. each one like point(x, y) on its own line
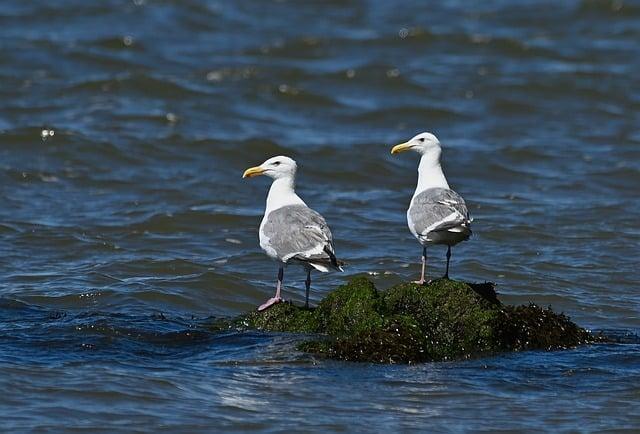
point(298, 233)
point(439, 215)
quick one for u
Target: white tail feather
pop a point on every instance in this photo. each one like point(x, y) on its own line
point(319, 267)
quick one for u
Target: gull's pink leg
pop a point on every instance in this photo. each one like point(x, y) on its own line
point(276, 299)
point(424, 266)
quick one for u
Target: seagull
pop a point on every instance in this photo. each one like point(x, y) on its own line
point(290, 231)
point(436, 214)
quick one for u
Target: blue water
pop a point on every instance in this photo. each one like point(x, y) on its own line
point(128, 229)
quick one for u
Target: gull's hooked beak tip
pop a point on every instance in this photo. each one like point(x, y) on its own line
point(253, 171)
point(400, 148)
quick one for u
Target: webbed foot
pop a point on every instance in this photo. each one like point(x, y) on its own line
point(267, 304)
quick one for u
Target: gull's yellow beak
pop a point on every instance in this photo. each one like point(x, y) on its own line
point(401, 148)
point(253, 171)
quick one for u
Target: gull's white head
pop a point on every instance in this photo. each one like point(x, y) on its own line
point(275, 168)
point(423, 143)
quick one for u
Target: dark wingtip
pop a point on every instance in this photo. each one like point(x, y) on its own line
point(332, 258)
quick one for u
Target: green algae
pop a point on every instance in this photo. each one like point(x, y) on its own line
point(409, 323)
point(282, 317)
point(351, 309)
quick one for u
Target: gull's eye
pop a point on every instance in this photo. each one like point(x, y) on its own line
point(276, 163)
point(421, 139)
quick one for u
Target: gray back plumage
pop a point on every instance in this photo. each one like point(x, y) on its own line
point(438, 209)
point(295, 231)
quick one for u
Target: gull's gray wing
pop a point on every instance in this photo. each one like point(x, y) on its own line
point(300, 233)
point(439, 209)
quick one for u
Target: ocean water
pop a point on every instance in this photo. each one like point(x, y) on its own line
point(125, 225)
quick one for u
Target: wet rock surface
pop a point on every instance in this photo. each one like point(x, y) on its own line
point(409, 323)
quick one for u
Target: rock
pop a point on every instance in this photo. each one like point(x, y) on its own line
point(408, 323)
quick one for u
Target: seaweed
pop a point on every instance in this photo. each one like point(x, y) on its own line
point(410, 323)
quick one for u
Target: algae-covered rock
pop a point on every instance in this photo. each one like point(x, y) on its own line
point(281, 317)
point(408, 323)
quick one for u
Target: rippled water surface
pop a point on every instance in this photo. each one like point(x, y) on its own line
point(130, 225)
